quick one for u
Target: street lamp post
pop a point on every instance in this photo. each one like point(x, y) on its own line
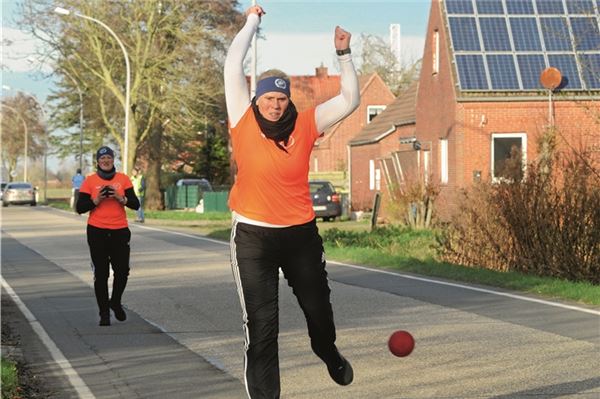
point(26, 140)
point(63, 11)
point(80, 117)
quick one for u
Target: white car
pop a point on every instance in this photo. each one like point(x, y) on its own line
point(18, 193)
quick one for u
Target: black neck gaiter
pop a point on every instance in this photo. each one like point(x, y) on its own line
point(280, 130)
point(104, 174)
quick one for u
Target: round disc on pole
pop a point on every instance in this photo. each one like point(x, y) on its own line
point(550, 78)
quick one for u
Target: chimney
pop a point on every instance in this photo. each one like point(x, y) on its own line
point(321, 72)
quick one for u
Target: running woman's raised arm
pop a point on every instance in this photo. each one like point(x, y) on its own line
point(342, 105)
point(237, 97)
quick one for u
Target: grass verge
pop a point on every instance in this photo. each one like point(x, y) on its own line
point(10, 379)
point(581, 292)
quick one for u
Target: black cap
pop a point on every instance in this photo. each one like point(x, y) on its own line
point(104, 150)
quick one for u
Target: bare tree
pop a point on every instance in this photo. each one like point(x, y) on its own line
point(21, 117)
point(176, 51)
point(377, 56)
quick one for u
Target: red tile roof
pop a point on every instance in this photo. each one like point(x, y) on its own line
point(400, 112)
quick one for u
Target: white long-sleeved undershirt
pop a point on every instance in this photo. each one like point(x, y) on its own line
point(238, 99)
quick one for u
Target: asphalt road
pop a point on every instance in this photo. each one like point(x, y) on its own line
point(183, 336)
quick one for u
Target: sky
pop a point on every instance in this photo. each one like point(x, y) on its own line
point(297, 36)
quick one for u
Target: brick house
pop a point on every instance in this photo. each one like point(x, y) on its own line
point(331, 151)
point(470, 127)
point(480, 96)
point(377, 156)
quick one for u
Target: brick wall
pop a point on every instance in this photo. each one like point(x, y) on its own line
point(331, 153)
point(361, 194)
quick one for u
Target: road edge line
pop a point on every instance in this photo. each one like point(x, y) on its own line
point(83, 391)
point(488, 291)
point(407, 276)
point(466, 287)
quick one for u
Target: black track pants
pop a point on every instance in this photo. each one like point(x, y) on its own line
point(109, 247)
point(256, 255)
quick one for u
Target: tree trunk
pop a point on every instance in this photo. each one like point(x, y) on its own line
point(154, 199)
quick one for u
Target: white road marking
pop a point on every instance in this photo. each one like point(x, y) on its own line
point(466, 287)
point(74, 379)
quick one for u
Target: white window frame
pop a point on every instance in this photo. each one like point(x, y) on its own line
point(444, 161)
point(436, 53)
point(371, 174)
point(374, 107)
point(426, 162)
point(522, 136)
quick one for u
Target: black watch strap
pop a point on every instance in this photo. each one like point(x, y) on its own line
point(344, 51)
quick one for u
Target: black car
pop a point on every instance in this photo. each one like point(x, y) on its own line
point(326, 201)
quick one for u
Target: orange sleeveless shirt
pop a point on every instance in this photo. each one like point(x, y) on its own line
point(271, 185)
point(109, 214)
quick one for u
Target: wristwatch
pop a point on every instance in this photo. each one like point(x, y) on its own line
point(344, 51)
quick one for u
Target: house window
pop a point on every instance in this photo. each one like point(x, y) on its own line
point(509, 155)
point(371, 175)
point(436, 52)
point(444, 161)
point(316, 166)
point(426, 161)
point(377, 179)
point(373, 111)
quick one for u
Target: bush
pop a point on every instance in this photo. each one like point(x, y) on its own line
point(412, 203)
point(548, 224)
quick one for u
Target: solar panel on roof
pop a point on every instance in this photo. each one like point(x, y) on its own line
point(530, 66)
point(489, 6)
point(494, 34)
point(471, 72)
point(590, 64)
point(506, 44)
point(556, 34)
point(585, 30)
point(459, 6)
point(503, 73)
point(585, 7)
point(464, 34)
point(525, 34)
point(550, 6)
point(568, 67)
point(519, 7)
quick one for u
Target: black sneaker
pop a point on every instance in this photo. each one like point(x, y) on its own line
point(104, 319)
point(119, 312)
point(341, 373)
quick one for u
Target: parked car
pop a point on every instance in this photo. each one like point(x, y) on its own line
point(326, 201)
point(203, 183)
point(2, 189)
point(19, 193)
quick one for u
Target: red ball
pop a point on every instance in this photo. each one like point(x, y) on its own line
point(401, 343)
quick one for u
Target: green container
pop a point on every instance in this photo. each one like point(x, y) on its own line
point(216, 201)
point(181, 197)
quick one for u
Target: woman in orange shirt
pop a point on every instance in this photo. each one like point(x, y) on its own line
point(273, 220)
point(105, 194)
